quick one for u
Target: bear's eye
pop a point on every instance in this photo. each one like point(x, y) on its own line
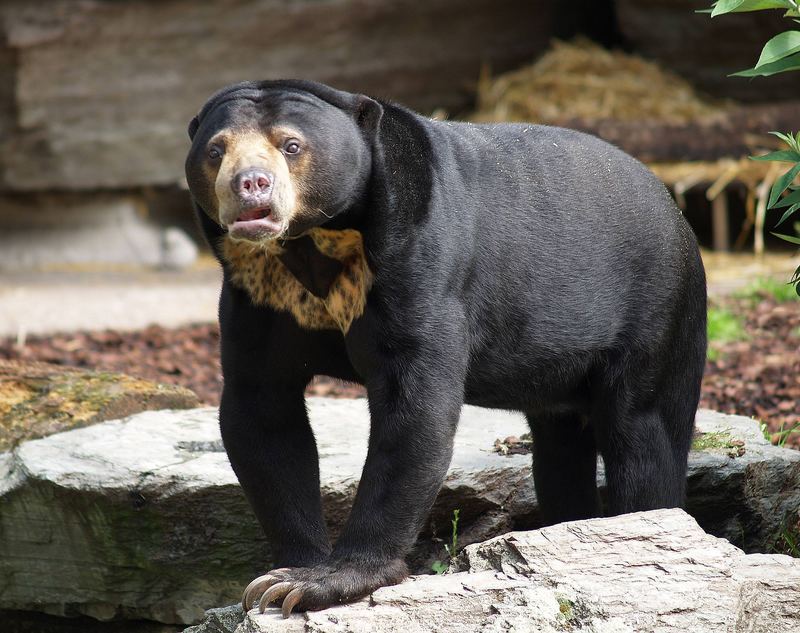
point(214, 152)
point(292, 146)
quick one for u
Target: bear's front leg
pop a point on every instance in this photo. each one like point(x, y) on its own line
point(266, 361)
point(415, 399)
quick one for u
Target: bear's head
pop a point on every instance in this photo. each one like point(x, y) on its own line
point(273, 159)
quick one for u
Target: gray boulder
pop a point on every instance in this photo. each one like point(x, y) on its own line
point(220, 620)
point(648, 571)
point(143, 517)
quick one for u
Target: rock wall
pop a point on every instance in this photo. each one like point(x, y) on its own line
point(706, 50)
point(98, 94)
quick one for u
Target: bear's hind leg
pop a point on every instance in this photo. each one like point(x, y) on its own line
point(564, 467)
point(645, 448)
point(644, 419)
point(642, 470)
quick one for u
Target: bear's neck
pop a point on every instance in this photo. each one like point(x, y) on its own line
point(321, 279)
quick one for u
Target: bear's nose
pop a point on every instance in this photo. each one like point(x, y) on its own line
point(251, 182)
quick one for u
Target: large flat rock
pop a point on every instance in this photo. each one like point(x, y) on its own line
point(143, 517)
point(648, 571)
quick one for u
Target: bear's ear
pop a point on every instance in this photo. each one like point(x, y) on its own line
point(368, 114)
point(193, 125)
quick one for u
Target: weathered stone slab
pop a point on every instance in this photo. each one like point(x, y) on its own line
point(99, 94)
point(649, 571)
point(143, 517)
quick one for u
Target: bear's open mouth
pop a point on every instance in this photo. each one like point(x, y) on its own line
point(254, 214)
point(255, 223)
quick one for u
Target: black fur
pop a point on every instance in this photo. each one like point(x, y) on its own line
point(315, 271)
point(521, 267)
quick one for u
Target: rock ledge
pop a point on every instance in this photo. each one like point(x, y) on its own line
point(142, 518)
point(648, 571)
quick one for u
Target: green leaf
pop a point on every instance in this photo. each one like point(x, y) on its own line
point(789, 139)
point(796, 280)
point(439, 567)
point(789, 156)
point(737, 6)
point(788, 238)
point(782, 184)
point(786, 138)
point(787, 201)
point(788, 213)
point(792, 62)
point(779, 47)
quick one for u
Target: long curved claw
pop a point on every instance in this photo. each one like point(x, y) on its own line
point(280, 570)
point(249, 589)
point(258, 586)
point(275, 592)
point(291, 600)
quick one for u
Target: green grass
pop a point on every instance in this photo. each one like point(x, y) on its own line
point(784, 433)
point(766, 288)
point(788, 541)
point(723, 327)
point(441, 566)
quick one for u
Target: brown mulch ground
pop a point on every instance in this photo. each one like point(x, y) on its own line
point(757, 377)
point(186, 356)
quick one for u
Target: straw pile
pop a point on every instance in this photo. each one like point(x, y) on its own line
point(581, 84)
point(581, 80)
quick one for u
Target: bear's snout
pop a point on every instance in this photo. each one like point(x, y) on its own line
point(253, 184)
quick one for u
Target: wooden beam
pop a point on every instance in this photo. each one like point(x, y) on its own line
point(719, 222)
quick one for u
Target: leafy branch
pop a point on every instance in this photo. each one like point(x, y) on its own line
point(780, 54)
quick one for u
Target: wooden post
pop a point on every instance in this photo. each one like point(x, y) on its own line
point(719, 222)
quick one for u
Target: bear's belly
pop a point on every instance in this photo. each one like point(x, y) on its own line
point(259, 271)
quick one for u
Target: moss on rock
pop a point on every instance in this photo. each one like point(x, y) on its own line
point(719, 441)
point(39, 399)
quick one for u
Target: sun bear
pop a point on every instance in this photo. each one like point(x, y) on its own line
point(512, 266)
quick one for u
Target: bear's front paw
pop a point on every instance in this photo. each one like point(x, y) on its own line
point(321, 586)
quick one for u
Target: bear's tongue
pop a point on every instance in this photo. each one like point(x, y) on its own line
point(252, 214)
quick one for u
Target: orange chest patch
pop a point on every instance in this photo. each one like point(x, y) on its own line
point(257, 270)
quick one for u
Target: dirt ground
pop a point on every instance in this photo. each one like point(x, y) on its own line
point(758, 376)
